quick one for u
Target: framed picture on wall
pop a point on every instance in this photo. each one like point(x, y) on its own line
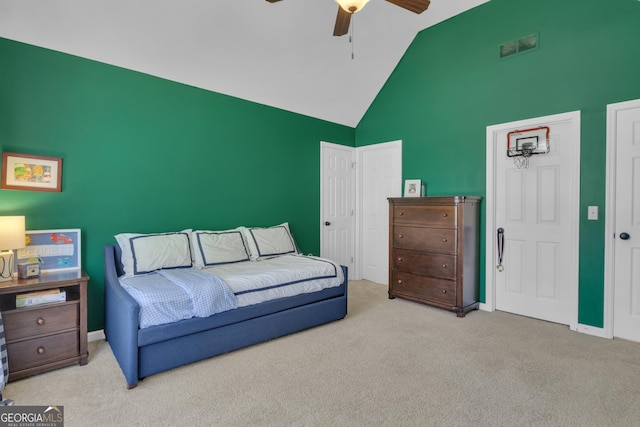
point(413, 188)
point(32, 173)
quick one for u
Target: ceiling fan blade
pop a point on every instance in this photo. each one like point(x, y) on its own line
point(342, 22)
point(415, 6)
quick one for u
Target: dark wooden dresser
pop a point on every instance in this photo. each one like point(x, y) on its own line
point(433, 253)
point(47, 336)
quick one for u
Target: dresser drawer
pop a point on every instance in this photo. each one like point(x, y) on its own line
point(27, 322)
point(426, 264)
point(439, 240)
point(433, 216)
point(39, 351)
point(411, 285)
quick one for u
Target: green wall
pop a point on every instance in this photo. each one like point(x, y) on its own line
point(451, 84)
point(142, 154)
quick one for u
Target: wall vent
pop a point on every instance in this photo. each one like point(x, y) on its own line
point(523, 44)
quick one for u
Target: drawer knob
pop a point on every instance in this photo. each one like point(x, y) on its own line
point(399, 282)
point(444, 291)
point(445, 214)
point(400, 259)
point(40, 321)
point(444, 239)
point(444, 265)
point(401, 213)
point(400, 236)
point(40, 350)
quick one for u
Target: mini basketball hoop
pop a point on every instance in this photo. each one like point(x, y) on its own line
point(522, 144)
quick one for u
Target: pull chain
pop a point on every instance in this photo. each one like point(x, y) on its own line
point(351, 37)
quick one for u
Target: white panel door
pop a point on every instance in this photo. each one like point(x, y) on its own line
point(380, 177)
point(534, 207)
point(626, 322)
point(337, 204)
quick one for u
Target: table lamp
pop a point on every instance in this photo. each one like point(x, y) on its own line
point(12, 236)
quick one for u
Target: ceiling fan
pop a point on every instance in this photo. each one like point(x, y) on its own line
point(346, 8)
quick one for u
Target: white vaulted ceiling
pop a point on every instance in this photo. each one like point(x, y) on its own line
point(281, 54)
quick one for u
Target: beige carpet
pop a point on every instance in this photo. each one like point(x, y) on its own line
point(388, 363)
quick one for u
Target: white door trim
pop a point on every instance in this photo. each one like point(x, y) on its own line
point(359, 152)
point(610, 212)
point(491, 242)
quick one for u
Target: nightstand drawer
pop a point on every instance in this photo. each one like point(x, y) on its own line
point(438, 290)
point(39, 351)
point(426, 264)
point(433, 216)
point(27, 322)
point(439, 240)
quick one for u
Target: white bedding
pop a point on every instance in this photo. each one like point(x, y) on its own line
point(252, 282)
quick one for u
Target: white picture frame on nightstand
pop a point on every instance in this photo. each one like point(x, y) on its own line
point(56, 250)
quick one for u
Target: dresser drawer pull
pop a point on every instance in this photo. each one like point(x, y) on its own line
point(444, 291)
point(400, 236)
point(40, 321)
point(399, 282)
point(444, 265)
point(445, 214)
point(40, 350)
point(401, 213)
point(444, 239)
point(400, 259)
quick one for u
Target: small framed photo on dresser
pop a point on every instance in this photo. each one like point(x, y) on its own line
point(413, 188)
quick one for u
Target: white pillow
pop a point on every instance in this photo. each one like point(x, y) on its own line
point(272, 241)
point(219, 247)
point(145, 253)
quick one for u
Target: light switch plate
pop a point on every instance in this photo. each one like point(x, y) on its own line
point(592, 213)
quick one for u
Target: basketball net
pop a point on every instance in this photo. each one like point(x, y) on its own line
point(522, 162)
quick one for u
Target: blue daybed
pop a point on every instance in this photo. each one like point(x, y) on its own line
point(141, 352)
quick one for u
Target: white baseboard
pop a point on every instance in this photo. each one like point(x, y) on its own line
point(593, 330)
point(485, 307)
point(96, 335)
point(583, 329)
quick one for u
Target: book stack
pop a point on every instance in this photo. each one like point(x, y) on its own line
point(41, 297)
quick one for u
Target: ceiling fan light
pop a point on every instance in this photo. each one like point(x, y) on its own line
point(351, 6)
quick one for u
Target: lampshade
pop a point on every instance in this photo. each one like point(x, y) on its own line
point(352, 6)
point(12, 233)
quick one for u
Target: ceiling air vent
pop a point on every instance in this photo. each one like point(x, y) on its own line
point(517, 46)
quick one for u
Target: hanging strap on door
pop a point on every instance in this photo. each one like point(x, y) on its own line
point(500, 248)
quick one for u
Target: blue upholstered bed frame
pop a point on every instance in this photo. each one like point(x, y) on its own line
point(143, 352)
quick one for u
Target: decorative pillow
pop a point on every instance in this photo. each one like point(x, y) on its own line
point(145, 253)
point(269, 242)
point(219, 247)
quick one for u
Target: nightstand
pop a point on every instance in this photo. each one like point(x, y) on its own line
point(47, 336)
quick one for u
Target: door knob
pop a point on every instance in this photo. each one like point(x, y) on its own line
point(327, 223)
point(624, 236)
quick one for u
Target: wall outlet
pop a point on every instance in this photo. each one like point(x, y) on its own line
point(592, 213)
